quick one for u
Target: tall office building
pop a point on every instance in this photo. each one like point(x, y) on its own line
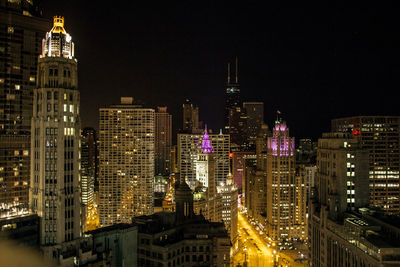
point(190, 117)
point(126, 174)
point(281, 191)
point(163, 141)
point(55, 142)
point(88, 165)
point(207, 201)
point(381, 136)
point(89, 190)
point(255, 119)
point(21, 29)
point(256, 178)
point(238, 167)
point(250, 165)
point(229, 200)
point(235, 118)
point(188, 145)
point(341, 231)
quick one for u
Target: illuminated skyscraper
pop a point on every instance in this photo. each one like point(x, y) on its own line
point(229, 202)
point(281, 190)
point(163, 141)
point(207, 201)
point(341, 229)
point(188, 145)
point(55, 141)
point(21, 29)
point(381, 136)
point(126, 175)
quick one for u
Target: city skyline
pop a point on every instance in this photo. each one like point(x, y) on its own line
point(186, 170)
point(323, 59)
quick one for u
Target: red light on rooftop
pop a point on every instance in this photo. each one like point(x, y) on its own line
point(356, 132)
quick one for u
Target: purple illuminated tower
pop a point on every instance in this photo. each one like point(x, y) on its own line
point(281, 187)
point(206, 147)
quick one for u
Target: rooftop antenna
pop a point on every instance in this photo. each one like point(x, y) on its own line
point(236, 76)
point(277, 116)
point(229, 73)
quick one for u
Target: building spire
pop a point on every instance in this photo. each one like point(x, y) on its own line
point(236, 73)
point(205, 143)
point(229, 73)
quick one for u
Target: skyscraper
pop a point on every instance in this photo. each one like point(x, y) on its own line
point(190, 117)
point(207, 201)
point(55, 158)
point(281, 191)
point(235, 118)
point(254, 120)
point(88, 164)
point(188, 145)
point(381, 136)
point(126, 174)
point(229, 203)
point(21, 29)
point(163, 141)
point(341, 230)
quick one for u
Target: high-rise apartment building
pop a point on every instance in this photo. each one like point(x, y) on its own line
point(281, 191)
point(380, 135)
point(341, 231)
point(190, 117)
point(254, 120)
point(188, 147)
point(21, 29)
point(55, 141)
point(163, 141)
point(126, 149)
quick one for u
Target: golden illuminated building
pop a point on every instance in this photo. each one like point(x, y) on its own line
point(380, 135)
point(126, 162)
point(55, 140)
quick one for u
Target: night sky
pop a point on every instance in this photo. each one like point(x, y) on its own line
point(311, 64)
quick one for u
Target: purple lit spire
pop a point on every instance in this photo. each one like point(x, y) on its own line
point(206, 144)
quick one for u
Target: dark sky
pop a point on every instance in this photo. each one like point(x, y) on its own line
point(311, 64)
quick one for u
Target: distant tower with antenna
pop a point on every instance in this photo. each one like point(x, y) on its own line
point(234, 118)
